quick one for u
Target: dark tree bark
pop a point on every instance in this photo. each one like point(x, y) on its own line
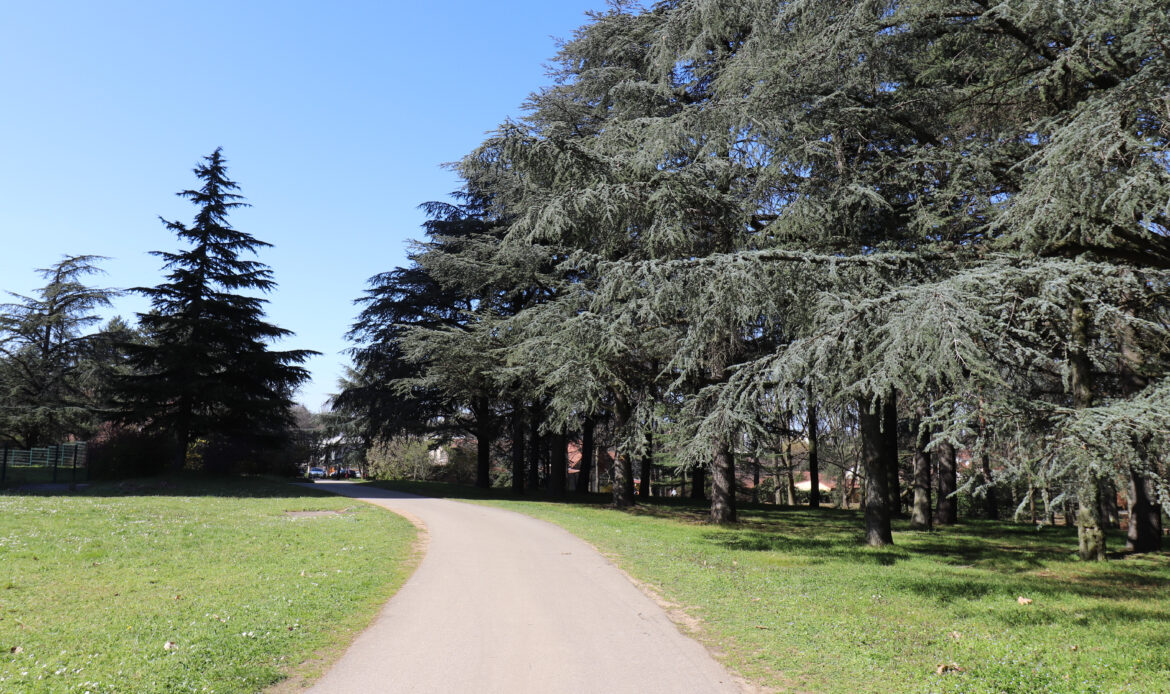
point(990, 498)
point(946, 511)
point(755, 480)
point(182, 443)
point(920, 511)
point(698, 484)
point(814, 470)
point(585, 469)
point(1110, 517)
point(647, 489)
point(623, 472)
point(1144, 533)
point(558, 463)
point(483, 449)
point(518, 435)
point(1090, 535)
point(535, 415)
point(1145, 516)
point(723, 484)
point(786, 455)
point(889, 453)
point(877, 508)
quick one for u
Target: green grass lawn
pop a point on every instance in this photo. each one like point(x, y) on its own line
point(94, 585)
point(794, 601)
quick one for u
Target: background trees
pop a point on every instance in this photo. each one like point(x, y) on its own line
point(53, 372)
point(946, 216)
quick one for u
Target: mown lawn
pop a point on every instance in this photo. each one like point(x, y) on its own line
point(793, 600)
point(183, 585)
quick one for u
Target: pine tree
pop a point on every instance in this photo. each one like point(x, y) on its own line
point(206, 368)
point(46, 356)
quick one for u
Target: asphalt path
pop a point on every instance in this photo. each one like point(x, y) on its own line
point(502, 602)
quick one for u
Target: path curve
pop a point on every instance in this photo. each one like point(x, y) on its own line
point(502, 602)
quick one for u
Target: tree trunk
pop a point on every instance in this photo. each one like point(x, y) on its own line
point(1145, 516)
point(1144, 533)
point(182, 443)
point(920, 512)
point(648, 467)
point(518, 435)
point(890, 453)
point(789, 480)
point(585, 469)
point(946, 511)
point(877, 507)
point(990, 499)
point(698, 484)
point(483, 447)
point(1090, 536)
point(623, 472)
point(814, 470)
point(755, 480)
point(559, 463)
point(1110, 517)
point(535, 446)
point(723, 484)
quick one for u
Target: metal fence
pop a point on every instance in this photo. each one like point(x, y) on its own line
point(67, 462)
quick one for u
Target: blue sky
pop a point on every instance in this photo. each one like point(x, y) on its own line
point(335, 119)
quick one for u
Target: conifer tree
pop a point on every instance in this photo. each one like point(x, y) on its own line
point(44, 353)
point(207, 368)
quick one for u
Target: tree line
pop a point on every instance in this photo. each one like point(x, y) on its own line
point(935, 233)
point(195, 382)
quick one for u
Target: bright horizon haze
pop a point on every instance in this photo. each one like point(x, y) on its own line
point(335, 121)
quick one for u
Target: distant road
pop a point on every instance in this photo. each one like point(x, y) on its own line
point(506, 603)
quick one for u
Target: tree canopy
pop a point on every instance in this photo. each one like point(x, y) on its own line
point(739, 210)
point(207, 367)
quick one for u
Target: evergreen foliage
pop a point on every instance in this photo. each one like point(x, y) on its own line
point(206, 368)
point(723, 212)
point(53, 371)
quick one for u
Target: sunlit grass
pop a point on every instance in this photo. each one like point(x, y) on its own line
point(186, 586)
point(795, 601)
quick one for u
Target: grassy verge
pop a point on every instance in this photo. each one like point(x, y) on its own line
point(795, 602)
point(186, 585)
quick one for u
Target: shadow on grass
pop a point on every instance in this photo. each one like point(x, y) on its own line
point(180, 485)
point(825, 534)
point(442, 490)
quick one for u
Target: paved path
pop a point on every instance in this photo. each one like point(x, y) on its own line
point(506, 603)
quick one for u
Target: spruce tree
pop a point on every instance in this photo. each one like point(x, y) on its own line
point(207, 368)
